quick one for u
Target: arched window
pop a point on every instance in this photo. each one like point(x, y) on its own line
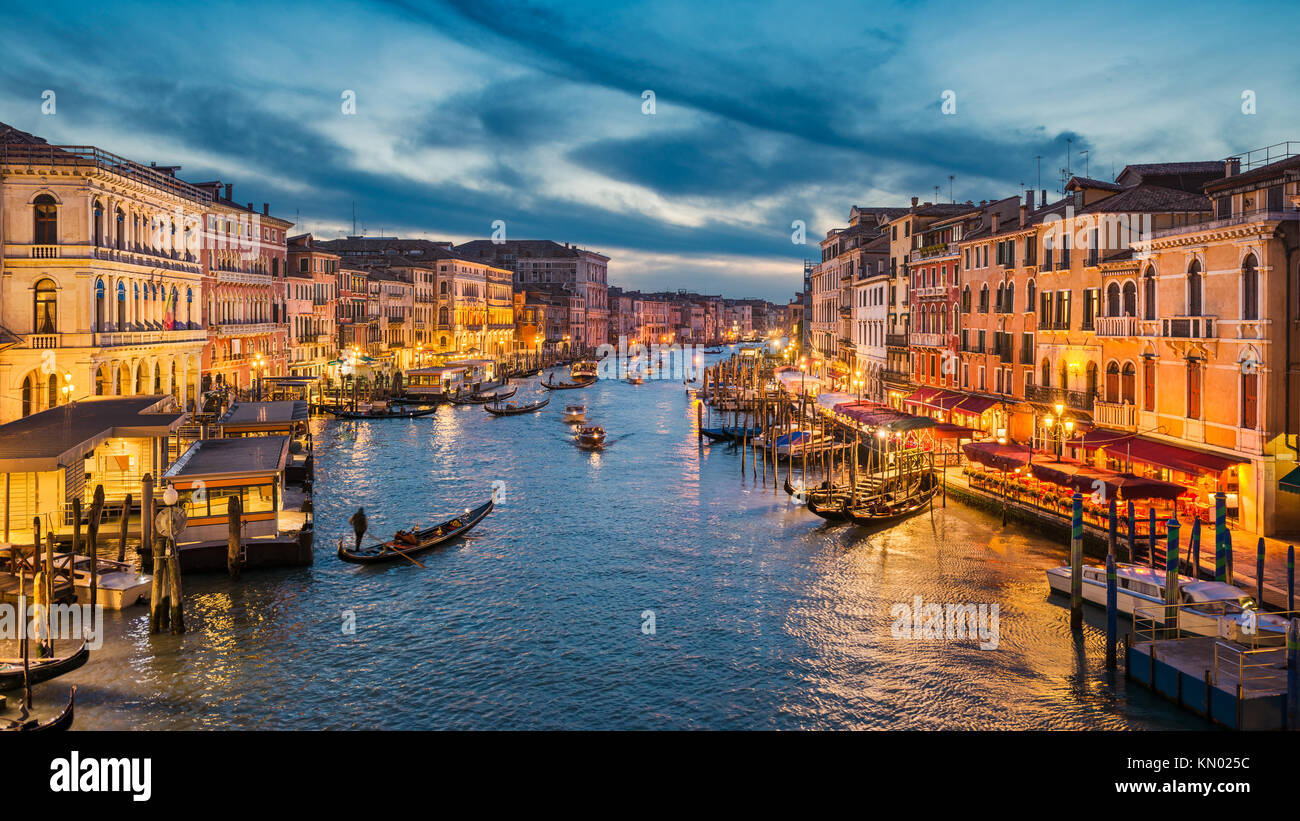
point(1029, 295)
point(1112, 299)
point(52, 391)
point(1047, 373)
point(997, 300)
point(1249, 395)
point(1063, 375)
point(29, 394)
point(99, 225)
point(45, 313)
point(46, 220)
point(1092, 379)
point(119, 239)
point(1130, 299)
point(1148, 383)
point(1249, 290)
point(99, 305)
point(1128, 384)
point(984, 298)
point(1149, 294)
point(965, 299)
point(1194, 289)
point(1112, 382)
point(442, 316)
point(1009, 301)
point(102, 385)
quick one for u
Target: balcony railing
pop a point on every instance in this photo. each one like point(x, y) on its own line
point(1115, 415)
point(1188, 327)
point(119, 338)
point(42, 340)
point(1117, 326)
point(1213, 223)
point(247, 328)
point(896, 340)
point(1075, 400)
point(45, 251)
point(929, 340)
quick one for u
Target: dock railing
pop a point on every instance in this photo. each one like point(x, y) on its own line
point(1255, 670)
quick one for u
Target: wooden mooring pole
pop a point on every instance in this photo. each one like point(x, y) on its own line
point(1290, 578)
point(126, 514)
point(1196, 548)
point(1076, 561)
point(1259, 573)
point(1132, 532)
point(1112, 607)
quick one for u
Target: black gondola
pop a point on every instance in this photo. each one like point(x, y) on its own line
point(409, 543)
point(60, 722)
point(568, 386)
point(483, 398)
point(512, 410)
point(388, 414)
point(890, 507)
point(11, 670)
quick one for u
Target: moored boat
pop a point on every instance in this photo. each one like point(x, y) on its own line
point(40, 669)
point(381, 411)
point(1208, 608)
point(60, 722)
point(483, 398)
point(415, 541)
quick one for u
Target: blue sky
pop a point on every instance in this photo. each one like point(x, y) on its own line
point(765, 113)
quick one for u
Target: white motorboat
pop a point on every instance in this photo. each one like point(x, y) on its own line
point(1209, 608)
point(575, 413)
point(118, 586)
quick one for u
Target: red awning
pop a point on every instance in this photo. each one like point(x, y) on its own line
point(975, 405)
point(920, 396)
point(1151, 452)
point(943, 430)
point(1002, 457)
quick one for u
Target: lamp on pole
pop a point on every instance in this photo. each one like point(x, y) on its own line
point(259, 364)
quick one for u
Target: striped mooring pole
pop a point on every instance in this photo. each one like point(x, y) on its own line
point(1291, 578)
point(1113, 527)
point(1151, 552)
point(1196, 549)
point(1171, 569)
point(1132, 533)
point(1076, 562)
point(1259, 573)
point(1292, 674)
point(1220, 557)
point(1112, 611)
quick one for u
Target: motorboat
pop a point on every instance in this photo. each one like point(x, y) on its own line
point(576, 413)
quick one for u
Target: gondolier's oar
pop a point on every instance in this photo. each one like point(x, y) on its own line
point(400, 553)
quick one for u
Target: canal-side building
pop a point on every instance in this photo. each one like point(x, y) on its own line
point(244, 301)
point(312, 309)
point(544, 265)
point(1214, 343)
point(101, 283)
point(354, 321)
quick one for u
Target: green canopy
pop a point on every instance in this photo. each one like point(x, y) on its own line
point(1291, 481)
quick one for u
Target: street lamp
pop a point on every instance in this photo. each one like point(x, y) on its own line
point(66, 388)
point(259, 364)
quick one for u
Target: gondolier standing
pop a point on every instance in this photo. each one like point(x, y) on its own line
point(358, 522)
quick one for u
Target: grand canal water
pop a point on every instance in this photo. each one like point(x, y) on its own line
point(764, 616)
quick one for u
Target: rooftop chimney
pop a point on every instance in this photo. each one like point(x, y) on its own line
point(1043, 204)
point(1232, 166)
point(915, 200)
point(250, 206)
point(266, 208)
point(1024, 213)
point(995, 222)
point(230, 187)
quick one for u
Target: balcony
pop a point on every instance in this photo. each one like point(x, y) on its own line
point(1115, 415)
point(247, 328)
point(1075, 400)
point(41, 341)
point(935, 291)
point(121, 338)
point(896, 340)
point(940, 249)
point(1188, 327)
point(1116, 326)
point(927, 340)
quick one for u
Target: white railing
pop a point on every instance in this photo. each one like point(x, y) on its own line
point(1117, 326)
point(119, 338)
point(45, 252)
point(42, 340)
point(247, 328)
point(1115, 415)
point(928, 340)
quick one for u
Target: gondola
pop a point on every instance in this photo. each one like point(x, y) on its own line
point(38, 669)
point(404, 543)
point(60, 722)
point(513, 410)
point(828, 504)
point(531, 372)
point(389, 414)
point(716, 434)
point(483, 398)
point(891, 507)
point(568, 386)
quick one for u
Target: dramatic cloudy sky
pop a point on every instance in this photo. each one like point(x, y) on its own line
point(531, 113)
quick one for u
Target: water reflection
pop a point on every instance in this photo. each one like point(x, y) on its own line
point(765, 616)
